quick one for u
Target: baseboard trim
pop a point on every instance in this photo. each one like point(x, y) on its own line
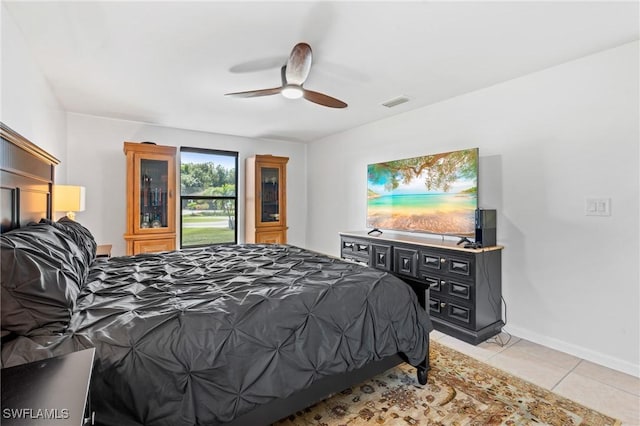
point(575, 350)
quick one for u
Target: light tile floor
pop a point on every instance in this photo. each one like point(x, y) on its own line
point(609, 391)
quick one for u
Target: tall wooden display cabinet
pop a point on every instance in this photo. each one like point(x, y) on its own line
point(266, 199)
point(151, 202)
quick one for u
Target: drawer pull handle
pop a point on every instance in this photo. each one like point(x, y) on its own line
point(443, 260)
point(442, 304)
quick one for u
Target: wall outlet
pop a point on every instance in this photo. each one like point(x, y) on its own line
point(598, 207)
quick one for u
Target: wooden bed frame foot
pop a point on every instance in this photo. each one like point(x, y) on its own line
point(422, 375)
point(422, 369)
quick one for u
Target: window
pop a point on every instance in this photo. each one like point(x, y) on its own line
point(208, 197)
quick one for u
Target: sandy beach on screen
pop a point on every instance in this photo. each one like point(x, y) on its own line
point(450, 223)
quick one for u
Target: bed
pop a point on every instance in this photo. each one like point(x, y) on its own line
point(229, 334)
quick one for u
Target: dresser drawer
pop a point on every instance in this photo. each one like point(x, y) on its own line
point(405, 261)
point(431, 261)
point(358, 250)
point(459, 266)
point(355, 247)
point(446, 263)
point(381, 257)
point(459, 290)
point(452, 311)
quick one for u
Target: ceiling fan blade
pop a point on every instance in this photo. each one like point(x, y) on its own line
point(322, 99)
point(299, 64)
point(258, 65)
point(255, 93)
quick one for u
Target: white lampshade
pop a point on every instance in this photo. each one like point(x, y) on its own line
point(68, 198)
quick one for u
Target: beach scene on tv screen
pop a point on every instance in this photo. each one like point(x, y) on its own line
point(433, 193)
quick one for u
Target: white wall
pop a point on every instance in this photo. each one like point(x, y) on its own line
point(98, 162)
point(28, 105)
point(547, 142)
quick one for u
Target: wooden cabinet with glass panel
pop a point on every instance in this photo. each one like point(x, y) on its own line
point(266, 199)
point(151, 205)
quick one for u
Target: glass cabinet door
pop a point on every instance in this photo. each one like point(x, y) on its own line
point(270, 199)
point(154, 194)
point(266, 199)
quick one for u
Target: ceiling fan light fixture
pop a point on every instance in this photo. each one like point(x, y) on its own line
point(292, 91)
point(293, 76)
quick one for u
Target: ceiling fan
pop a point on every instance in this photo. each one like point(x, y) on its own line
point(294, 73)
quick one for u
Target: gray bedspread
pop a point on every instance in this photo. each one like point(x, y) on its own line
point(201, 336)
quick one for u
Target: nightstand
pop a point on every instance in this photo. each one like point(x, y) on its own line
point(103, 250)
point(52, 391)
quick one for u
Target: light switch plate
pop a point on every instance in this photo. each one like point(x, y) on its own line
point(598, 207)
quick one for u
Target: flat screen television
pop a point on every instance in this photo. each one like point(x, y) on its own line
point(435, 194)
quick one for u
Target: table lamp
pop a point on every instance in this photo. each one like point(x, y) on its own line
point(68, 198)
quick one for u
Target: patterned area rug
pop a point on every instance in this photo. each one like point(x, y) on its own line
point(460, 391)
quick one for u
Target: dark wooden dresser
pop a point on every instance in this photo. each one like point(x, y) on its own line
point(460, 287)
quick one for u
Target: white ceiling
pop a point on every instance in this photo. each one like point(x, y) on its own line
point(170, 63)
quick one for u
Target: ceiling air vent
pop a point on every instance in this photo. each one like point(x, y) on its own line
point(395, 101)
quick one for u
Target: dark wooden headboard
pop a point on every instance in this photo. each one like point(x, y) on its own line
point(26, 181)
